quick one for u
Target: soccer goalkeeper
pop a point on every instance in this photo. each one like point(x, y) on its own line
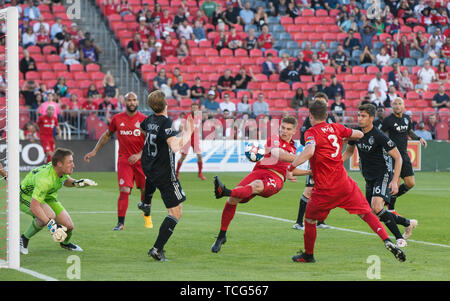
point(38, 198)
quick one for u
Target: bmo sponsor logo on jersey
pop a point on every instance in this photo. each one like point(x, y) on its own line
point(135, 132)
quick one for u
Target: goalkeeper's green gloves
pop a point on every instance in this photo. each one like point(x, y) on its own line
point(58, 231)
point(84, 182)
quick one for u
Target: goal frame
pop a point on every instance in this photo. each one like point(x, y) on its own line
point(11, 17)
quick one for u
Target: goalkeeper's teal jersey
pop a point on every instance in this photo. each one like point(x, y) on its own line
point(42, 184)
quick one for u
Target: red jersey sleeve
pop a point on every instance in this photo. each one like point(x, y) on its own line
point(112, 125)
point(343, 131)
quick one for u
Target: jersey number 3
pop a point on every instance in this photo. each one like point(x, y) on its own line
point(334, 142)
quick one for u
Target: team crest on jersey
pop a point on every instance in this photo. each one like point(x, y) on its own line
point(138, 125)
point(371, 140)
point(390, 143)
point(406, 121)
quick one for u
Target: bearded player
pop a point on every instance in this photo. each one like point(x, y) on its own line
point(129, 169)
point(46, 124)
point(332, 185)
point(266, 179)
point(194, 143)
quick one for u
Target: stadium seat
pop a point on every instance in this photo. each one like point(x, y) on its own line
point(442, 131)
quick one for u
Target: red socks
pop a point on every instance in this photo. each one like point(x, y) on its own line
point(242, 192)
point(309, 237)
point(122, 204)
point(179, 166)
point(200, 166)
point(375, 225)
point(227, 215)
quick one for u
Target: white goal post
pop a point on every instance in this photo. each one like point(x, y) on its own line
point(11, 17)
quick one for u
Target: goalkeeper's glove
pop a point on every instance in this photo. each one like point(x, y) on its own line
point(58, 231)
point(83, 183)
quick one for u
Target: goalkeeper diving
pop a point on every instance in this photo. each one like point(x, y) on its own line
point(39, 199)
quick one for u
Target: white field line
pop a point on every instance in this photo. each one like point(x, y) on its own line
point(30, 272)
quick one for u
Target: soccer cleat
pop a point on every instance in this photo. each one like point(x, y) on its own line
point(71, 247)
point(303, 257)
point(398, 253)
point(401, 243)
point(148, 221)
point(219, 189)
point(157, 255)
point(298, 226)
point(145, 208)
point(218, 244)
point(322, 225)
point(408, 230)
point(201, 176)
point(119, 227)
point(23, 245)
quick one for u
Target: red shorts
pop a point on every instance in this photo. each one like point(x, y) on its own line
point(195, 147)
point(48, 145)
point(348, 197)
point(128, 174)
point(272, 182)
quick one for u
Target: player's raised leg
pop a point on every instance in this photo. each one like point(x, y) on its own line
point(146, 203)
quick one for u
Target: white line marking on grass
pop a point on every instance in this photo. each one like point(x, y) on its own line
point(32, 273)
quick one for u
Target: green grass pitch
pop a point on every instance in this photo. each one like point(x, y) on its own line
point(260, 243)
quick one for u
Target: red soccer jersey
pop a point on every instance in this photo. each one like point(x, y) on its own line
point(446, 50)
point(267, 40)
point(324, 57)
point(46, 125)
point(326, 164)
point(131, 140)
point(89, 106)
point(270, 163)
point(307, 55)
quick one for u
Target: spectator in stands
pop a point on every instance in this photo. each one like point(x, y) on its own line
point(293, 11)
point(379, 26)
point(109, 86)
point(339, 59)
point(419, 42)
point(221, 40)
point(29, 92)
point(92, 91)
point(418, 8)
point(378, 97)
point(432, 49)
point(244, 107)
point(260, 107)
point(391, 48)
point(163, 82)
point(56, 28)
point(106, 109)
point(71, 55)
point(299, 100)
point(199, 32)
point(442, 73)
point(27, 63)
point(30, 132)
point(31, 12)
point(301, 65)
point(167, 21)
point(445, 50)
point(29, 38)
point(367, 34)
point(247, 15)
point(218, 15)
point(311, 92)
point(143, 12)
point(284, 62)
point(157, 56)
point(281, 7)
point(265, 39)
point(316, 66)
point(157, 29)
point(123, 8)
point(289, 74)
point(210, 105)
point(158, 11)
point(323, 87)
point(250, 42)
point(143, 57)
point(382, 58)
point(208, 7)
point(394, 74)
point(404, 82)
point(185, 30)
point(431, 124)
point(41, 21)
point(323, 55)
point(307, 52)
point(366, 58)
point(88, 106)
point(61, 89)
point(181, 90)
point(242, 78)
point(420, 87)
point(174, 76)
point(197, 91)
point(338, 108)
point(348, 24)
point(183, 50)
point(351, 43)
point(427, 74)
point(440, 99)
point(52, 100)
point(226, 104)
point(89, 53)
point(405, 11)
point(234, 40)
point(42, 37)
point(22, 27)
point(422, 132)
point(110, 7)
point(335, 88)
point(226, 82)
point(395, 26)
point(379, 82)
point(260, 17)
point(269, 67)
point(403, 49)
point(391, 95)
point(168, 49)
point(200, 17)
point(179, 17)
point(133, 47)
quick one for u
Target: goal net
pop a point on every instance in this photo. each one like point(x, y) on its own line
point(9, 143)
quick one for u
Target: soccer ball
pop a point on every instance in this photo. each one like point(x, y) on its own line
point(254, 152)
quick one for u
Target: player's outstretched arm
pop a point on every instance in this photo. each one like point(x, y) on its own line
point(415, 137)
point(356, 134)
point(282, 155)
point(177, 143)
point(81, 183)
point(395, 154)
point(304, 156)
point(348, 152)
point(100, 143)
point(301, 172)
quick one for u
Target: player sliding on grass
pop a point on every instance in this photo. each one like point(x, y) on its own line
point(39, 198)
point(265, 180)
point(332, 185)
point(129, 169)
point(375, 151)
